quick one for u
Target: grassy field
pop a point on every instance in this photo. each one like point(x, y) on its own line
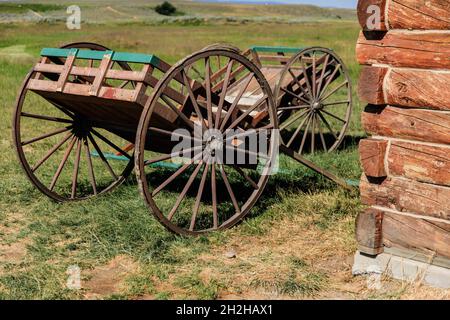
point(297, 243)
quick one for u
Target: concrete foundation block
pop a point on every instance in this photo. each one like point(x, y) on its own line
point(402, 269)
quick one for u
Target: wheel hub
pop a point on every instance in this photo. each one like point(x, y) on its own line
point(81, 127)
point(316, 105)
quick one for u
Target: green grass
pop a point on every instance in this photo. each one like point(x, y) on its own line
point(18, 8)
point(93, 232)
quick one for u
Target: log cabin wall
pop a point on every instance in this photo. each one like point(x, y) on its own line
point(405, 82)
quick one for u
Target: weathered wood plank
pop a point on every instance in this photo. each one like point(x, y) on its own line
point(419, 14)
point(407, 123)
point(369, 231)
point(372, 153)
point(406, 14)
point(424, 50)
point(420, 162)
point(82, 90)
point(418, 88)
point(411, 233)
point(407, 195)
point(405, 87)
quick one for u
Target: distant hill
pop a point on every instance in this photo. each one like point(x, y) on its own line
point(190, 11)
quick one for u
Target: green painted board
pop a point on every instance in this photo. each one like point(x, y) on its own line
point(98, 55)
point(276, 49)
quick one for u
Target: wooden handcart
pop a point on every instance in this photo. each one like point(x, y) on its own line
point(83, 105)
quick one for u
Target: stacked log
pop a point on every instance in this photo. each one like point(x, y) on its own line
point(405, 82)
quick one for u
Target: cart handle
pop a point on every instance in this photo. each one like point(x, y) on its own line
point(98, 55)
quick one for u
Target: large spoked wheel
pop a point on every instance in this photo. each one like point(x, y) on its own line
point(204, 190)
point(66, 156)
point(314, 101)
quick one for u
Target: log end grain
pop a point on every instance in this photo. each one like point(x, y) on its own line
point(372, 153)
point(369, 231)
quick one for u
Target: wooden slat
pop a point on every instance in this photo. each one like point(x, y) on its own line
point(100, 77)
point(274, 58)
point(98, 55)
point(66, 71)
point(83, 90)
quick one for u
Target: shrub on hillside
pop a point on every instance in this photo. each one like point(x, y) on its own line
point(166, 9)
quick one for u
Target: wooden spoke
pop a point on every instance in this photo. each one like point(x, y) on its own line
point(41, 117)
point(208, 93)
point(177, 111)
point(294, 118)
point(199, 197)
point(193, 99)
point(90, 167)
point(63, 110)
point(246, 133)
point(172, 155)
point(185, 190)
point(197, 72)
point(327, 125)
point(230, 190)
point(223, 93)
point(313, 131)
point(294, 136)
point(214, 196)
point(322, 138)
point(246, 177)
point(247, 152)
point(305, 135)
point(314, 82)
point(51, 152)
point(324, 68)
point(305, 74)
point(244, 86)
point(246, 113)
point(330, 78)
point(304, 106)
point(174, 134)
point(62, 163)
point(175, 175)
point(47, 135)
point(336, 103)
point(102, 156)
point(305, 93)
point(294, 95)
point(112, 145)
point(76, 169)
point(332, 115)
point(334, 90)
